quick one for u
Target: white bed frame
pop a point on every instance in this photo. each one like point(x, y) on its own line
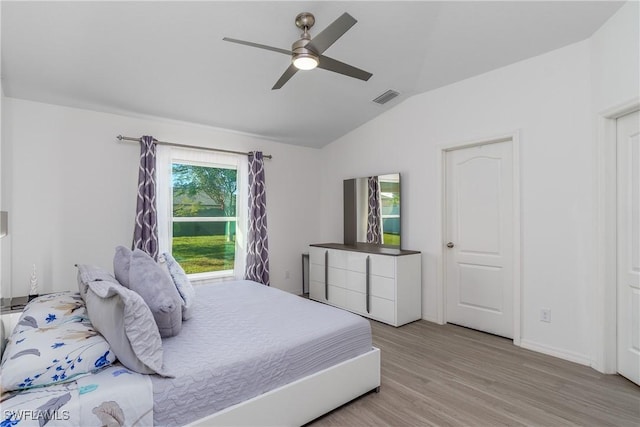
point(306, 399)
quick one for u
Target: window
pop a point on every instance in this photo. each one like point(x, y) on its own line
point(204, 217)
point(199, 206)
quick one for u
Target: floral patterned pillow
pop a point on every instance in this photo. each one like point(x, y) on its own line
point(52, 309)
point(53, 343)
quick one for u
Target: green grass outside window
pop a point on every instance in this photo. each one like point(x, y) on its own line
point(201, 254)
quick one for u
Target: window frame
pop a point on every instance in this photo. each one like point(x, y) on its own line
point(166, 157)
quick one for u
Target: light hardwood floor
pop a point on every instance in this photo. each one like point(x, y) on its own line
point(453, 376)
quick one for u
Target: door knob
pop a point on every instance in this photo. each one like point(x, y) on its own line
point(450, 244)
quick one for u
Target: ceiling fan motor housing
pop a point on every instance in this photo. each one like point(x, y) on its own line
point(300, 51)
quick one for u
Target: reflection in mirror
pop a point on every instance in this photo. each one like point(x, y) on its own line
point(372, 210)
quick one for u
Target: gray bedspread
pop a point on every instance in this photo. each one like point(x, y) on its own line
point(245, 339)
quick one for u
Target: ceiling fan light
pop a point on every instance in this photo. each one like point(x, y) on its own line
point(305, 61)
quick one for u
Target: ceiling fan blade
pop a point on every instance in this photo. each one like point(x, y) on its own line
point(340, 67)
point(329, 35)
point(289, 72)
point(261, 46)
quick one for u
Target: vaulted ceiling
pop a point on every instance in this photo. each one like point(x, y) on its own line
point(168, 59)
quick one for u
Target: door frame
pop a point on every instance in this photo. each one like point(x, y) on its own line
point(604, 296)
point(514, 138)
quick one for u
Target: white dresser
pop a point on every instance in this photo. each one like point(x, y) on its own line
point(380, 283)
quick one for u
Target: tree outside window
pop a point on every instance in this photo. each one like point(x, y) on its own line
point(204, 217)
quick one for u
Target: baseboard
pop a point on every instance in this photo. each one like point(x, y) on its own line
point(431, 319)
point(555, 352)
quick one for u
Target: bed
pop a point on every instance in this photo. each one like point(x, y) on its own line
point(250, 355)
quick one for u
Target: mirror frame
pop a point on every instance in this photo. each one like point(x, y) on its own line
point(350, 223)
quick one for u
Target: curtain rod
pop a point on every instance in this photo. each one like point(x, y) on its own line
point(173, 144)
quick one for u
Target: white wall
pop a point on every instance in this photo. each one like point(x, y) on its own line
point(72, 190)
point(615, 59)
point(547, 99)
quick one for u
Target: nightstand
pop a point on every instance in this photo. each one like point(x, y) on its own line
point(10, 311)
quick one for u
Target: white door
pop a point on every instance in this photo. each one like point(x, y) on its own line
point(479, 237)
point(629, 246)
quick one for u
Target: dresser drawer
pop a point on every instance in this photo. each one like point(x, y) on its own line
point(337, 296)
point(356, 302)
point(381, 265)
point(379, 286)
point(338, 259)
point(357, 261)
point(337, 277)
point(382, 287)
point(356, 281)
point(382, 309)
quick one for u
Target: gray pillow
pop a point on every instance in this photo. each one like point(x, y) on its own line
point(126, 322)
point(121, 264)
point(91, 273)
point(154, 284)
point(183, 285)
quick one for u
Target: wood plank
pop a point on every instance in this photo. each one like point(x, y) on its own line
point(435, 375)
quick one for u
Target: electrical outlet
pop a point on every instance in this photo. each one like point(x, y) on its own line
point(545, 315)
point(287, 274)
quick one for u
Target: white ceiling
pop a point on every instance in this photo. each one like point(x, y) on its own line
point(167, 59)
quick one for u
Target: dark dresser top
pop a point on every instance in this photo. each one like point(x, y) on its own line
point(366, 247)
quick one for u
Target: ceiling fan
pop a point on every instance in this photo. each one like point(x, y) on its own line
point(307, 53)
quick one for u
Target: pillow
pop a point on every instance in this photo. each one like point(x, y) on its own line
point(53, 355)
point(124, 319)
point(153, 283)
point(180, 279)
point(91, 273)
point(52, 309)
point(121, 263)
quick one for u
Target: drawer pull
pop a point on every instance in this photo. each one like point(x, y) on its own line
point(326, 275)
point(367, 288)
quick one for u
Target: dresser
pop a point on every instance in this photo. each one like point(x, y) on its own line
point(381, 283)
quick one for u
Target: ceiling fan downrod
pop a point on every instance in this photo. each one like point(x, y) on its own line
point(303, 58)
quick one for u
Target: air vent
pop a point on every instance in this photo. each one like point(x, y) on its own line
point(386, 97)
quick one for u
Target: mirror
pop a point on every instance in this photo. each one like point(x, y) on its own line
point(372, 210)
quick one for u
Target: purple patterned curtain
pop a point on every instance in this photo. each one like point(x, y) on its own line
point(257, 243)
point(373, 217)
point(145, 233)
